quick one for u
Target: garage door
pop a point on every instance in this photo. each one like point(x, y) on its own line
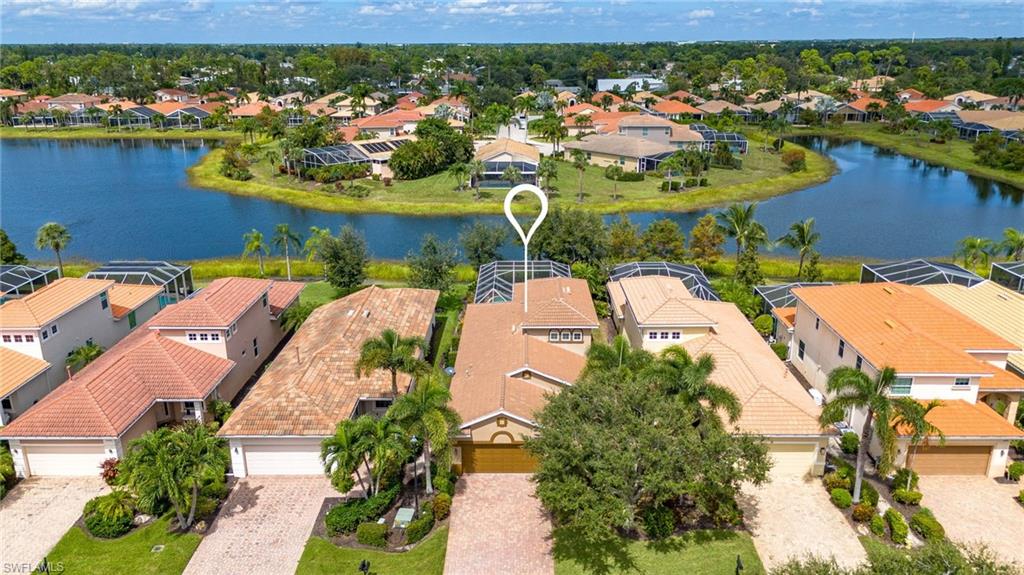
point(951, 459)
point(297, 457)
point(74, 459)
point(792, 459)
point(487, 458)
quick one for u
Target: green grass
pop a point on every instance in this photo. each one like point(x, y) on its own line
point(956, 154)
point(705, 552)
point(451, 304)
point(763, 176)
point(100, 133)
point(318, 293)
point(81, 554)
point(427, 558)
point(783, 269)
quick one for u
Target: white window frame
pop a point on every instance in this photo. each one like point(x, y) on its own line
point(44, 335)
point(204, 336)
point(910, 387)
point(18, 338)
point(676, 335)
point(29, 338)
point(54, 330)
point(192, 336)
point(565, 335)
point(652, 335)
point(961, 383)
point(553, 335)
point(215, 336)
point(664, 335)
point(7, 338)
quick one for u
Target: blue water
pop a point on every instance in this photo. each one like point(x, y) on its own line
point(130, 199)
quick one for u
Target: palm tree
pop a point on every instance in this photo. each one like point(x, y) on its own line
point(343, 452)
point(315, 245)
point(56, 237)
point(386, 447)
point(83, 355)
point(476, 172)
point(911, 418)
point(852, 390)
point(1013, 244)
point(284, 239)
point(618, 355)
point(198, 454)
point(974, 250)
point(614, 172)
point(148, 469)
point(801, 237)
point(682, 375)
point(254, 245)
point(512, 175)
point(737, 221)
point(547, 170)
point(579, 161)
point(424, 413)
point(459, 172)
point(393, 353)
point(669, 167)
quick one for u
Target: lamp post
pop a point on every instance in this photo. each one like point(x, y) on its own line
point(415, 477)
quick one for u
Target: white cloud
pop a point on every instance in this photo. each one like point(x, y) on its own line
point(702, 13)
point(815, 2)
point(386, 9)
point(812, 12)
point(503, 9)
point(145, 10)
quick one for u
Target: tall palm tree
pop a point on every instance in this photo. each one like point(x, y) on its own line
point(852, 389)
point(56, 237)
point(284, 239)
point(393, 353)
point(386, 445)
point(344, 452)
point(199, 453)
point(315, 244)
point(801, 237)
point(669, 167)
point(476, 172)
point(579, 162)
point(424, 413)
point(911, 418)
point(459, 172)
point(973, 250)
point(83, 355)
point(614, 172)
point(254, 244)
point(737, 221)
point(683, 375)
point(616, 356)
point(1013, 244)
point(547, 170)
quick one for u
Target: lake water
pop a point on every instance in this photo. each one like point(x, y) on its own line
point(124, 199)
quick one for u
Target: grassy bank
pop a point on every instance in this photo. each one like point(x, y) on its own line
point(99, 133)
point(782, 269)
point(956, 154)
point(763, 176)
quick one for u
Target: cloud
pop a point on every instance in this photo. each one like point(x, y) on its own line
point(812, 12)
point(496, 8)
point(702, 13)
point(144, 10)
point(386, 9)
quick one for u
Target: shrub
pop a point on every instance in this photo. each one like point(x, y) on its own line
point(763, 324)
point(441, 505)
point(924, 524)
point(844, 469)
point(795, 160)
point(346, 517)
point(443, 484)
point(418, 529)
point(1020, 496)
point(868, 494)
point(1016, 470)
point(108, 470)
point(659, 522)
point(781, 350)
point(878, 525)
point(107, 528)
point(631, 177)
point(897, 526)
point(863, 512)
point(691, 182)
point(899, 481)
point(849, 442)
point(703, 182)
point(110, 515)
point(371, 533)
point(907, 497)
point(835, 481)
point(675, 185)
point(841, 498)
point(206, 506)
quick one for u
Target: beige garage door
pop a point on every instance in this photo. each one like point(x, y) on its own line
point(68, 459)
point(284, 457)
point(951, 459)
point(792, 459)
point(488, 458)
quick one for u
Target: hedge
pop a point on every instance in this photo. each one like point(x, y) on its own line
point(659, 522)
point(899, 481)
point(1016, 470)
point(375, 534)
point(841, 498)
point(418, 529)
point(924, 524)
point(897, 526)
point(878, 525)
point(868, 494)
point(907, 497)
point(346, 517)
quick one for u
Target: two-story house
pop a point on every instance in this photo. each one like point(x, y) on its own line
point(656, 312)
point(508, 361)
point(937, 352)
point(164, 372)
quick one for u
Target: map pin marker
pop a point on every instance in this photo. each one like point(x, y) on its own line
point(519, 229)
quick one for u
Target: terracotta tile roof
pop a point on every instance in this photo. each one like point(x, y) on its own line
point(283, 294)
point(311, 385)
point(18, 369)
point(903, 327)
point(507, 146)
point(348, 132)
point(124, 104)
point(318, 109)
point(786, 315)
point(395, 119)
point(582, 107)
point(913, 93)
point(172, 92)
point(861, 104)
point(603, 122)
point(217, 305)
point(8, 93)
point(250, 110)
point(50, 302)
point(684, 95)
point(924, 106)
point(409, 101)
point(660, 301)
point(598, 96)
point(957, 418)
point(31, 106)
point(673, 107)
point(125, 298)
point(166, 108)
point(719, 106)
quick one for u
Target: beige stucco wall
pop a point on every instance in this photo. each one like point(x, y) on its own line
point(660, 134)
point(821, 355)
point(490, 432)
point(639, 336)
point(579, 347)
point(603, 160)
point(28, 394)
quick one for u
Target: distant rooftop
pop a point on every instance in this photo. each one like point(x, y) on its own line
point(495, 280)
point(692, 276)
point(918, 272)
point(1009, 274)
point(781, 295)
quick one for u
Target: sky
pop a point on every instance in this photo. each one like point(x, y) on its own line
point(494, 21)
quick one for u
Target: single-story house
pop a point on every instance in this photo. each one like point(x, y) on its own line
point(395, 123)
point(170, 95)
point(684, 96)
point(498, 155)
point(929, 106)
point(872, 84)
point(675, 109)
point(612, 149)
point(9, 94)
point(599, 98)
point(716, 107)
point(600, 122)
point(910, 95)
point(860, 110)
point(376, 152)
point(969, 98)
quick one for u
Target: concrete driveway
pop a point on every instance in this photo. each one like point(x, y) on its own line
point(262, 527)
point(37, 513)
point(975, 509)
point(791, 517)
point(498, 526)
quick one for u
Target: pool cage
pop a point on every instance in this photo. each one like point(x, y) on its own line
point(692, 276)
point(333, 156)
point(1008, 274)
point(918, 272)
point(19, 280)
point(175, 279)
point(495, 280)
point(781, 295)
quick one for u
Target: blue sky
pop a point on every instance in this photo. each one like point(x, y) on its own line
point(427, 21)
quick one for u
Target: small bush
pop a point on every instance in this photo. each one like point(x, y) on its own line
point(675, 186)
point(442, 505)
point(1016, 470)
point(375, 534)
point(841, 498)
point(835, 481)
point(849, 442)
point(346, 517)
point(659, 522)
point(897, 526)
point(899, 481)
point(691, 182)
point(108, 470)
point(418, 529)
point(868, 494)
point(444, 484)
point(781, 350)
point(703, 182)
point(862, 512)
point(924, 524)
point(107, 528)
point(907, 497)
point(877, 525)
point(206, 506)
point(763, 324)
point(1020, 496)
point(795, 160)
point(844, 469)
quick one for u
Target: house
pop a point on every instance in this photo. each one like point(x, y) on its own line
point(973, 123)
point(350, 108)
point(861, 110)
point(805, 96)
point(330, 99)
point(1008, 274)
point(17, 280)
point(394, 123)
point(612, 149)
point(910, 95)
point(684, 96)
point(249, 110)
point(170, 95)
point(638, 82)
point(288, 100)
point(656, 312)
point(73, 101)
point(660, 130)
point(599, 99)
point(164, 372)
point(923, 106)
point(937, 352)
point(872, 84)
point(969, 98)
point(15, 95)
point(499, 155)
point(375, 152)
point(508, 361)
point(716, 107)
point(601, 122)
point(450, 107)
point(570, 98)
point(675, 110)
point(410, 101)
point(311, 385)
point(24, 380)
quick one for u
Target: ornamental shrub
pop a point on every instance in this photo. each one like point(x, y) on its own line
point(835, 481)
point(844, 469)
point(897, 526)
point(841, 498)
point(795, 160)
point(849, 442)
point(877, 525)
point(763, 324)
point(372, 533)
point(441, 505)
point(868, 494)
point(418, 529)
point(107, 528)
point(862, 512)
point(443, 484)
point(1016, 470)
point(659, 522)
point(907, 497)
point(781, 350)
point(703, 182)
point(1020, 496)
point(899, 481)
point(924, 524)
point(675, 185)
point(691, 182)
point(346, 517)
point(108, 470)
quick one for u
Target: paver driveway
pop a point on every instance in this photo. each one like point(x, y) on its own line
point(976, 509)
point(791, 517)
point(498, 526)
point(262, 527)
point(37, 513)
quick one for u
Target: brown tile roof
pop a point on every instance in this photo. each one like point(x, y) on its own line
point(507, 146)
point(971, 94)
point(395, 119)
point(596, 98)
point(1003, 120)
point(125, 298)
point(683, 95)
point(603, 122)
point(913, 93)
point(719, 106)
point(74, 98)
point(579, 108)
point(312, 385)
point(645, 120)
point(283, 294)
point(925, 105)
point(616, 145)
point(18, 369)
point(319, 109)
point(957, 418)
point(673, 107)
point(217, 305)
point(50, 302)
point(8, 93)
point(166, 108)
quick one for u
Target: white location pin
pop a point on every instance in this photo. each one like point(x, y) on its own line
point(519, 229)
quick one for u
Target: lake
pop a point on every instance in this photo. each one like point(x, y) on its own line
point(128, 199)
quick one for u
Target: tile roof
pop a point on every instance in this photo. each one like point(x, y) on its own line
point(645, 121)
point(676, 107)
point(861, 104)
point(683, 95)
point(602, 122)
point(75, 98)
point(125, 298)
point(925, 106)
point(311, 385)
point(787, 315)
point(617, 145)
point(580, 108)
point(217, 305)
point(719, 106)
point(597, 96)
point(507, 146)
point(958, 418)
point(1004, 120)
point(168, 107)
point(282, 294)
point(395, 119)
point(249, 110)
point(659, 301)
point(50, 302)
point(18, 369)
point(914, 94)
point(971, 94)
point(8, 93)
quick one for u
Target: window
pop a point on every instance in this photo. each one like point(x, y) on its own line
point(215, 336)
point(622, 160)
point(189, 408)
point(901, 386)
point(6, 403)
point(645, 131)
point(231, 330)
point(255, 348)
point(859, 362)
point(676, 335)
point(800, 351)
point(7, 338)
point(53, 329)
point(817, 322)
point(553, 335)
point(30, 338)
point(132, 322)
point(44, 334)
point(104, 303)
point(664, 335)
point(204, 337)
point(566, 335)
point(652, 335)
point(18, 339)
point(193, 337)
point(577, 335)
point(962, 382)
point(842, 348)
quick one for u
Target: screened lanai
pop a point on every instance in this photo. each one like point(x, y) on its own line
point(781, 295)
point(495, 280)
point(19, 280)
point(1009, 274)
point(175, 279)
point(692, 276)
point(918, 272)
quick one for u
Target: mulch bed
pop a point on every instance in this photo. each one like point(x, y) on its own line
point(396, 537)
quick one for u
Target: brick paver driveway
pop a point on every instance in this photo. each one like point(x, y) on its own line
point(793, 518)
point(498, 526)
point(37, 513)
point(262, 527)
point(977, 509)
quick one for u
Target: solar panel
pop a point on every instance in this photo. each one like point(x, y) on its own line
point(692, 276)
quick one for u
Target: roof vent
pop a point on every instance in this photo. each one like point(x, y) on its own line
point(366, 313)
point(890, 323)
point(888, 290)
point(351, 313)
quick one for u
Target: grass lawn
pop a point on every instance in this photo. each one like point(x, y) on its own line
point(451, 304)
point(708, 552)
point(93, 133)
point(322, 556)
point(79, 553)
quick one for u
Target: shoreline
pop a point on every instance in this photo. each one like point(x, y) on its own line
point(98, 133)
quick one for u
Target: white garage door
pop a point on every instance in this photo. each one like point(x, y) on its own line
point(283, 457)
point(59, 458)
point(792, 459)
